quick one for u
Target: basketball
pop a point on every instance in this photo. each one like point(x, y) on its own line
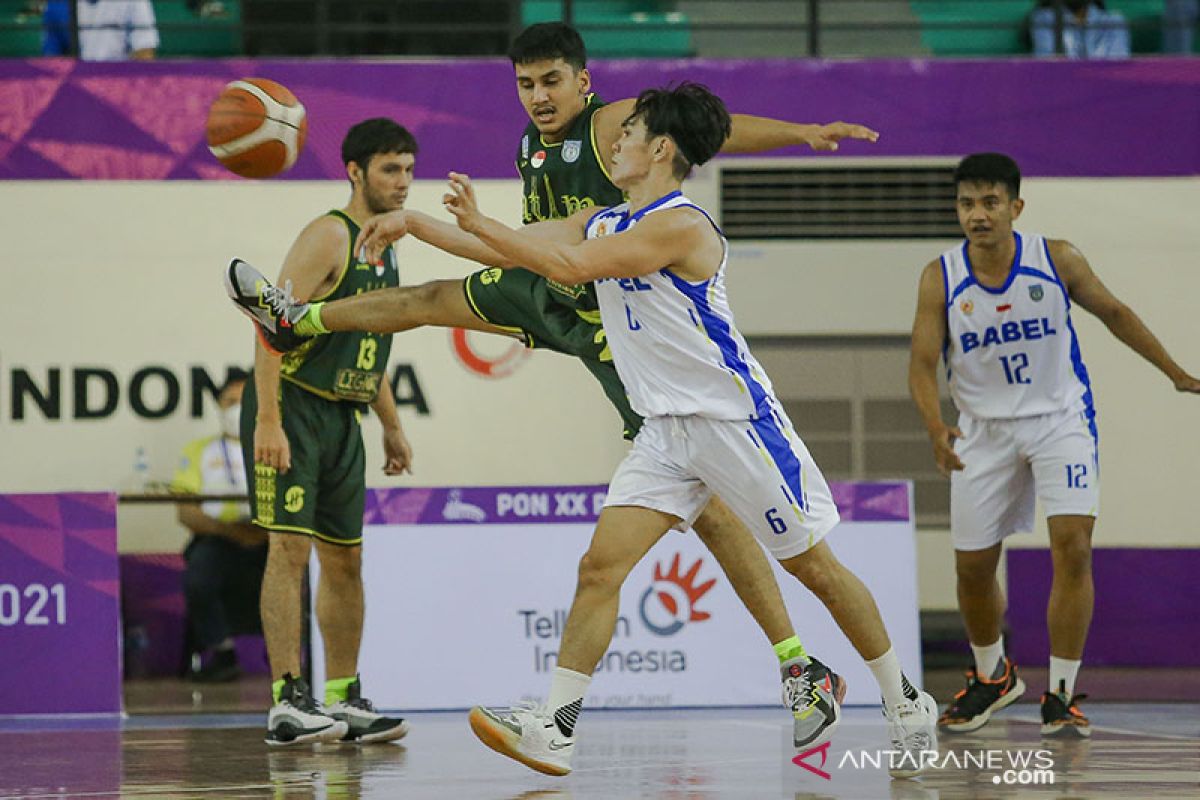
point(256, 128)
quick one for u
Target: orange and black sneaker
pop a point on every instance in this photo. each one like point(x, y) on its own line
point(974, 705)
point(1060, 715)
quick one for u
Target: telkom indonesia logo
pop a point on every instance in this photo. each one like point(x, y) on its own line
point(670, 601)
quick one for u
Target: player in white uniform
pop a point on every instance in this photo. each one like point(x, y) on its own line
point(713, 424)
point(997, 308)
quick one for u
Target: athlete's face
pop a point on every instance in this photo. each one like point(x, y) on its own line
point(385, 183)
point(635, 151)
point(986, 212)
point(553, 94)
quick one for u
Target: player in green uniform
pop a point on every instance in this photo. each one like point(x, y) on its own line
point(565, 162)
point(303, 445)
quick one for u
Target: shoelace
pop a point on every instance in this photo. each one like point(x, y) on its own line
point(537, 709)
point(1069, 704)
point(918, 739)
point(304, 701)
point(278, 299)
point(361, 703)
point(973, 699)
point(797, 688)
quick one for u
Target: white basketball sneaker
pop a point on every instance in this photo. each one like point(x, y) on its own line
point(364, 723)
point(912, 727)
point(526, 733)
point(299, 719)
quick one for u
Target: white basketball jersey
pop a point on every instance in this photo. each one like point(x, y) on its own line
point(674, 343)
point(1012, 351)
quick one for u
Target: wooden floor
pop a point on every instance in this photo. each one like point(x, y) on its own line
point(1139, 750)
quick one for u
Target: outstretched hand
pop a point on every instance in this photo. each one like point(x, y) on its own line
point(826, 137)
point(377, 235)
point(460, 201)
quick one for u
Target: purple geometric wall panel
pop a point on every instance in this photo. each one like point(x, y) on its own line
point(60, 119)
point(1146, 601)
point(59, 620)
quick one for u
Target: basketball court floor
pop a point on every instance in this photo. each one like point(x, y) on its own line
point(1138, 750)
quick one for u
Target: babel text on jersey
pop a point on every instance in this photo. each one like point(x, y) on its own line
point(629, 284)
point(1016, 331)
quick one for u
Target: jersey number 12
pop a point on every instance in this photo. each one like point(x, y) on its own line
point(1014, 367)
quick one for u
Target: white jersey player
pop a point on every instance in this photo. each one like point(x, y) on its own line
point(997, 309)
point(1017, 377)
point(712, 425)
point(688, 371)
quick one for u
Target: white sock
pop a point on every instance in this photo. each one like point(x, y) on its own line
point(988, 658)
point(894, 687)
point(1064, 670)
point(567, 689)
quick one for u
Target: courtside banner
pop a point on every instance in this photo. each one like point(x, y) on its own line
point(59, 604)
point(468, 590)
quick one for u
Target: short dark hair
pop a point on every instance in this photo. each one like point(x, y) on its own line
point(373, 137)
point(691, 115)
point(990, 168)
point(547, 41)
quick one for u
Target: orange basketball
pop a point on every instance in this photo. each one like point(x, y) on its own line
point(256, 128)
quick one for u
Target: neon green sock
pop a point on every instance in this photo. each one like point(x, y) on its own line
point(310, 324)
point(789, 648)
point(336, 689)
point(276, 690)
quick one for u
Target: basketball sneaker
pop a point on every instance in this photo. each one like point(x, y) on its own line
point(973, 706)
point(1060, 715)
point(814, 694)
point(912, 727)
point(298, 719)
point(270, 307)
point(525, 733)
point(364, 723)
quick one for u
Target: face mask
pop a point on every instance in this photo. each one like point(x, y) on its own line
point(231, 421)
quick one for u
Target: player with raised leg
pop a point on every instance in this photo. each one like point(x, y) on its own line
point(565, 161)
point(712, 422)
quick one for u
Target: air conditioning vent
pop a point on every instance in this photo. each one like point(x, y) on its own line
point(914, 201)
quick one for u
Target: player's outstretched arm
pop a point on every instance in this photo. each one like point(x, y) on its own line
point(759, 134)
point(750, 134)
point(560, 252)
point(1086, 289)
point(382, 230)
point(929, 332)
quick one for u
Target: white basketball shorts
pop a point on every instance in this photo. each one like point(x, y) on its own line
point(1010, 462)
point(760, 468)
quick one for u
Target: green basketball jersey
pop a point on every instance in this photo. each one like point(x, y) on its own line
point(346, 366)
point(562, 178)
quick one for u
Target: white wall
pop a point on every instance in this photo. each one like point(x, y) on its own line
point(128, 274)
